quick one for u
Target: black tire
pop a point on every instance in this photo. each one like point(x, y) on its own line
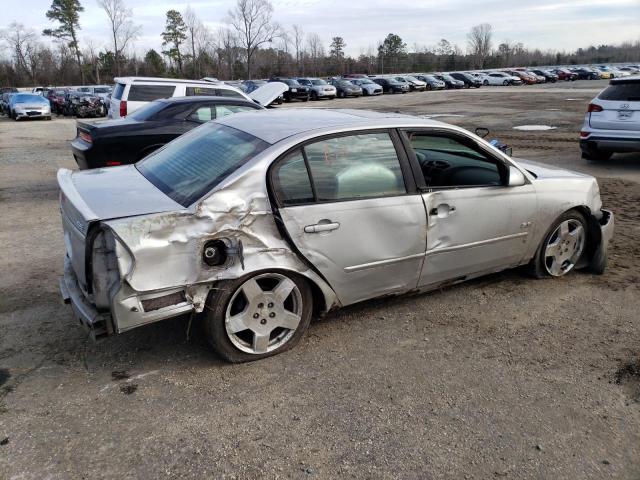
point(305, 99)
point(216, 308)
point(314, 96)
point(595, 155)
point(429, 87)
point(485, 83)
point(537, 266)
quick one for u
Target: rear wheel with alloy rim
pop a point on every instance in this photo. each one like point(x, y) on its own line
point(258, 316)
point(562, 247)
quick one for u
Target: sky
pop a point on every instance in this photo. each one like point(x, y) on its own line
point(545, 24)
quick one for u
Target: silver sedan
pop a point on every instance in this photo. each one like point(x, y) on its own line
point(259, 221)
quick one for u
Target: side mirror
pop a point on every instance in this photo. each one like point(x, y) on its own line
point(482, 132)
point(516, 177)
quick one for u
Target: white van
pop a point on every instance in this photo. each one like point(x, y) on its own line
point(131, 93)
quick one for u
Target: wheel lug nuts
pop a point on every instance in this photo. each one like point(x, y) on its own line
point(261, 305)
point(255, 315)
point(272, 314)
point(270, 305)
point(263, 321)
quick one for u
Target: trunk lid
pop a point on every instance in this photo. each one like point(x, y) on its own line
point(268, 93)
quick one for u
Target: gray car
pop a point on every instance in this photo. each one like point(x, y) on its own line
point(318, 88)
point(259, 221)
point(369, 87)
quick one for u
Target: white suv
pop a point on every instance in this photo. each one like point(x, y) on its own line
point(131, 93)
point(612, 123)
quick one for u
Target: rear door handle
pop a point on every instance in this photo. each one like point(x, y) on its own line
point(321, 227)
point(446, 209)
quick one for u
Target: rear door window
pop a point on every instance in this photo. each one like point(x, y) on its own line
point(117, 91)
point(355, 166)
point(201, 91)
point(623, 92)
point(149, 93)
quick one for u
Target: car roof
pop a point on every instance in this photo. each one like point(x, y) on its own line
point(275, 125)
point(170, 81)
point(200, 98)
point(621, 80)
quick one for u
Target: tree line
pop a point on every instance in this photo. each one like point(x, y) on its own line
point(252, 44)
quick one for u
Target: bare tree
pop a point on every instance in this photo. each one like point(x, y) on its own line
point(479, 40)
point(123, 30)
point(25, 47)
point(227, 46)
point(316, 51)
point(194, 25)
point(252, 19)
point(298, 41)
point(90, 54)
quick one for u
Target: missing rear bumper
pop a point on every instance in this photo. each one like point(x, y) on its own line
point(98, 324)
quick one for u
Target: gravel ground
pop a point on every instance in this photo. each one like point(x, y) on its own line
point(502, 377)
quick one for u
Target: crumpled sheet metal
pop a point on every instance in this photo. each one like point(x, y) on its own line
point(167, 247)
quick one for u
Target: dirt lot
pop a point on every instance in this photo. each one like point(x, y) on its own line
point(503, 377)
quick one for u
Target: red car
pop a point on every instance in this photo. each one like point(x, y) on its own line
point(56, 99)
point(524, 76)
point(565, 74)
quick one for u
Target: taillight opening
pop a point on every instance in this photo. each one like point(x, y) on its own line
point(85, 136)
point(584, 134)
point(123, 108)
point(594, 108)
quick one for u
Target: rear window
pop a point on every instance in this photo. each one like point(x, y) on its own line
point(190, 166)
point(147, 111)
point(624, 92)
point(149, 93)
point(212, 92)
point(117, 91)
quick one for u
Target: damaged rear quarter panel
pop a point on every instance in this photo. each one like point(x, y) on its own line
point(167, 247)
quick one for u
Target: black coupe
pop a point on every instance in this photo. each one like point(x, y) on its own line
point(126, 140)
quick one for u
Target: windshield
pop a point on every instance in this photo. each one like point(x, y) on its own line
point(29, 99)
point(190, 166)
point(364, 81)
point(291, 83)
point(449, 77)
point(319, 82)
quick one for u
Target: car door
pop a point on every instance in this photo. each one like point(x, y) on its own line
point(476, 223)
point(349, 204)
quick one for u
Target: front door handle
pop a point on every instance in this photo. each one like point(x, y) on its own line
point(321, 226)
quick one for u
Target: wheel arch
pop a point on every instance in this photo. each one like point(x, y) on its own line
point(323, 296)
point(594, 234)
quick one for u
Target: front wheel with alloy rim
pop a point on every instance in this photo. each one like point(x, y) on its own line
point(562, 247)
point(258, 316)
